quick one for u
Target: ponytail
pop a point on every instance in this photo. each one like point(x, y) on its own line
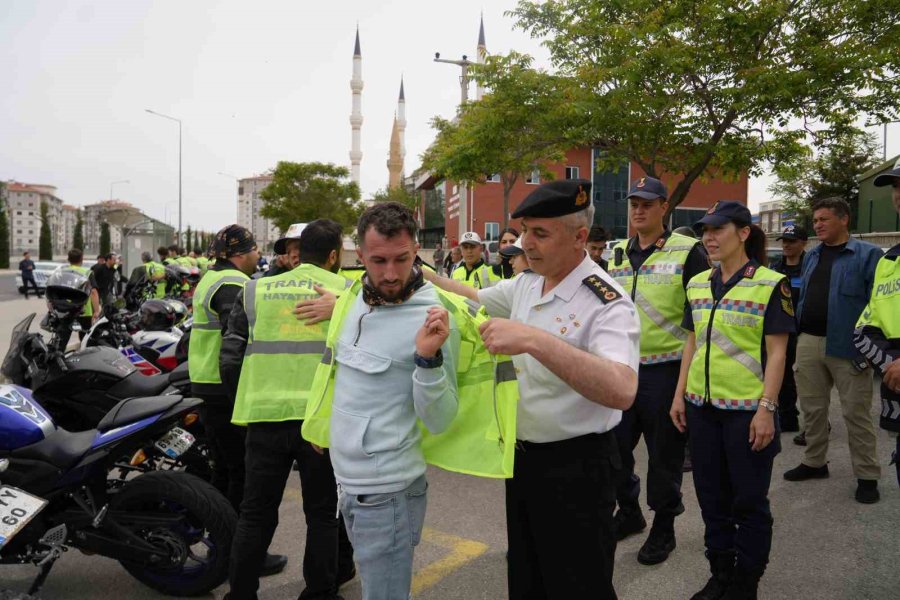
point(755, 246)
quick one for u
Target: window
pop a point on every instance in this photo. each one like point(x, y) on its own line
point(495, 178)
point(19, 212)
point(571, 172)
point(491, 231)
point(682, 217)
point(534, 178)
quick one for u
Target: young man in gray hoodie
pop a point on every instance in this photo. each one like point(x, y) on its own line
point(396, 356)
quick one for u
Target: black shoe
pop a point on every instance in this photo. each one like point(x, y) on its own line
point(722, 568)
point(800, 439)
point(743, 587)
point(274, 564)
point(659, 544)
point(628, 522)
point(803, 472)
point(867, 491)
point(346, 577)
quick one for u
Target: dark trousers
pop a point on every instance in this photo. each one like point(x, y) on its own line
point(787, 396)
point(649, 415)
point(30, 280)
point(559, 519)
point(732, 483)
point(272, 449)
point(226, 447)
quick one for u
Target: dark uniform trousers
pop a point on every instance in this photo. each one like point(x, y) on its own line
point(787, 396)
point(272, 449)
point(649, 415)
point(226, 447)
point(559, 515)
point(732, 483)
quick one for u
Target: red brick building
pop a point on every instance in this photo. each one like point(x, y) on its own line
point(439, 208)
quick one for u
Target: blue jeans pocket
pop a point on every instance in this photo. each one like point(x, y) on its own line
point(416, 501)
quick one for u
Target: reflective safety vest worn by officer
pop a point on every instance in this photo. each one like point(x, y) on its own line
point(202, 264)
point(657, 289)
point(89, 306)
point(726, 370)
point(282, 352)
point(481, 439)
point(206, 332)
point(153, 269)
point(482, 277)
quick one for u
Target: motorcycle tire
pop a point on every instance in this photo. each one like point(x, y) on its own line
point(212, 522)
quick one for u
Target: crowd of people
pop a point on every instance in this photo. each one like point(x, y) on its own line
point(545, 368)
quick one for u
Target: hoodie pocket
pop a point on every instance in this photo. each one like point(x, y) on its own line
point(348, 445)
point(359, 359)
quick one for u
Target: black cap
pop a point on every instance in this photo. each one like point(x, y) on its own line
point(889, 177)
point(556, 199)
point(513, 249)
point(648, 188)
point(793, 232)
point(725, 211)
point(231, 241)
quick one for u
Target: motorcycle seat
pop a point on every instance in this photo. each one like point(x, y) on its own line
point(132, 410)
point(61, 448)
point(180, 375)
point(137, 385)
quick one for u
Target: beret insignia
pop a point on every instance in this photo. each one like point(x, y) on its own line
point(581, 198)
point(601, 289)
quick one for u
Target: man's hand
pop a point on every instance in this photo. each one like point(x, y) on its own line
point(762, 429)
point(678, 415)
point(892, 376)
point(429, 275)
point(433, 333)
point(315, 311)
point(318, 449)
point(503, 336)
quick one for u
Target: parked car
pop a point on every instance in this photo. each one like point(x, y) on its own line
point(43, 269)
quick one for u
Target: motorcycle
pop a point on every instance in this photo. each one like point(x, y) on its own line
point(170, 530)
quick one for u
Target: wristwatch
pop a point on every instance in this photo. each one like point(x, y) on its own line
point(768, 404)
point(429, 363)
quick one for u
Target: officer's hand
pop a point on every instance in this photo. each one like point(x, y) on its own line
point(429, 275)
point(320, 309)
point(318, 449)
point(892, 376)
point(502, 336)
point(762, 429)
point(433, 333)
point(678, 415)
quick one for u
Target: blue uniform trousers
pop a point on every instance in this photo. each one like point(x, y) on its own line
point(732, 483)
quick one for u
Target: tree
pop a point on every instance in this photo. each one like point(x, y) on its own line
point(303, 192)
point(831, 172)
point(4, 229)
point(104, 238)
point(188, 236)
point(512, 131)
point(696, 88)
point(45, 242)
point(196, 243)
point(78, 235)
point(399, 194)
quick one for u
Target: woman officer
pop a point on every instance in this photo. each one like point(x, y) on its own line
point(504, 268)
point(739, 315)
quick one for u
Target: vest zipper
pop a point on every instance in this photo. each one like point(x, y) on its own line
point(359, 325)
point(634, 284)
point(709, 327)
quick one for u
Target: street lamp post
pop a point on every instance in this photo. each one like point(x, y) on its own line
point(884, 145)
point(464, 65)
point(152, 112)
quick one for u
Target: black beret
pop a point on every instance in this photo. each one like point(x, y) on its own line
point(556, 199)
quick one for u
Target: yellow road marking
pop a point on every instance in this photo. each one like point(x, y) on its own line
point(461, 550)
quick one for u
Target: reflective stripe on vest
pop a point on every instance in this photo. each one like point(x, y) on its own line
point(481, 439)
point(282, 352)
point(206, 337)
point(726, 370)
point(658, 291)
point(481, 278)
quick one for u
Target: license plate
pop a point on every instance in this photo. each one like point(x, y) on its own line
point(175, 443)
point(17, 508)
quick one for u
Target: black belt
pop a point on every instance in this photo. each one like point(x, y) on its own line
point(587, 439)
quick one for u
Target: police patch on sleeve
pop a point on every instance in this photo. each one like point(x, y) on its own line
point(786, 303)
point(601, 289)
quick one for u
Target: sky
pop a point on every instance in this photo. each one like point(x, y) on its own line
point(252, 82)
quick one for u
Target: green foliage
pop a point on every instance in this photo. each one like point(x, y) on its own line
point(399, 194)
point(303, 192)
point(188, 236)
point(78, 235)
point(45, 242)
point(4, 229)
point(698, 88)
point(518, 127)
point(104, 238)
point(833, 171)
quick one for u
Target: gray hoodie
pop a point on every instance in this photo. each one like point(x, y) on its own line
point(379, 393)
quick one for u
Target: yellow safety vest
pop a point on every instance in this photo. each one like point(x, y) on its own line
point(883, 310)
point(88, 307)
point(203, 264)
point(726, 370)
point(282, 352)
point(479, 278)
point(155, 268)
point(657, 289)
point(206, 332)
point(481, 439)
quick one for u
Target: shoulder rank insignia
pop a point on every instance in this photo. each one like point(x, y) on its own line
point(601, 289)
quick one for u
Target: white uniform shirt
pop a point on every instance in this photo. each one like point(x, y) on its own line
point(550, 410)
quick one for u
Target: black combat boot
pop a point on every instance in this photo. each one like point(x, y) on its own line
point(743, 585)
point(629, 521)
point(721, 565)
point(660, 542)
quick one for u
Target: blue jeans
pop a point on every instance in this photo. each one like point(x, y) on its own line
point(384, 529)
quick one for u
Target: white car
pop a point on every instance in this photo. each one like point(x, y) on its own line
point(43, 269)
